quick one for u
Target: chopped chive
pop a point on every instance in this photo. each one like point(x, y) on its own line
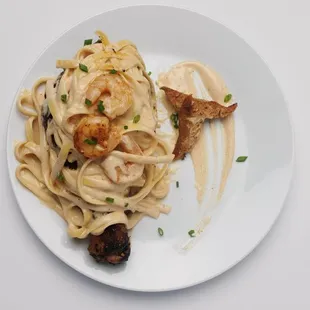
point(149, 73)
point(64, 98)
point(227, 98)
point(126, 204)
point(109, 200)
point(178, 184)
point(83, 67)
point(136, 119)
point(87, 102)
point(192, 233)
point(160, 231)
point(125, 127)
point(88, 42)
point(113, 71)
point(241, 159)
point(60, 177)
point(174, 117)
point(100, 106)
point(92, 141)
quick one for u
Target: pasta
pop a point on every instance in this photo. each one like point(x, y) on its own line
point(91, 152)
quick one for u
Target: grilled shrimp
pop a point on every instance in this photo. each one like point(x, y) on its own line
point(113, 91)
point(117, 169)
point(95, 136)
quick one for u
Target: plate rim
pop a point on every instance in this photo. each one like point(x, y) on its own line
point(290, 166)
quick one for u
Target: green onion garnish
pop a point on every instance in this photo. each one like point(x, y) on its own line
point(241, 159)
point(227, 98)
point(109, 200)
point(174, 117)
point(192, 233)
point(60, 177)
point(113, 71)
point(126, 204)
point(177, 184)
point(136, 119)
point(64, 98)
point(100, 106)
point(88, 102)
point(92, 141)
point(125, 127)
point(160, 231)
point(150, 72)
point(83, 67)
point(88, 42)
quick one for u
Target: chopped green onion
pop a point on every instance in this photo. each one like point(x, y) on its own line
point(150, 72)
point(88, 42)
point(100, 106)
point(227, 98)
point(113, 71)
point(136, 119)
point(60, 177)
point(125, 127)
point(92, 141)
point(174, 117)
point(160, 231)
point(64, 98)
point(241, 159)
point(88, 102)
point(177, 184)
point(192, 233)
point(83, 67)
point(109, 200)
point(126, 204)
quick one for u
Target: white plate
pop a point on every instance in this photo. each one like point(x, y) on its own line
point(255, 191)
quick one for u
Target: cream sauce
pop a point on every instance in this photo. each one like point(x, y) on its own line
point(181, 78)
point(199, 157)
point(228, 129)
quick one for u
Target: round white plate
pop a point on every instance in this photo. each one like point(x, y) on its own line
point(255, 191)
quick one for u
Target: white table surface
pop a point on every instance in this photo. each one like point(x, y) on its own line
point(274, 276)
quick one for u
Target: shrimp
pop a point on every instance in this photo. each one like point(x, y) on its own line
point(113, 91)
point(119, 171)
point(95, 136)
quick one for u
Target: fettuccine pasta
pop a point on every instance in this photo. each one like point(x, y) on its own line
point(91, 151)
